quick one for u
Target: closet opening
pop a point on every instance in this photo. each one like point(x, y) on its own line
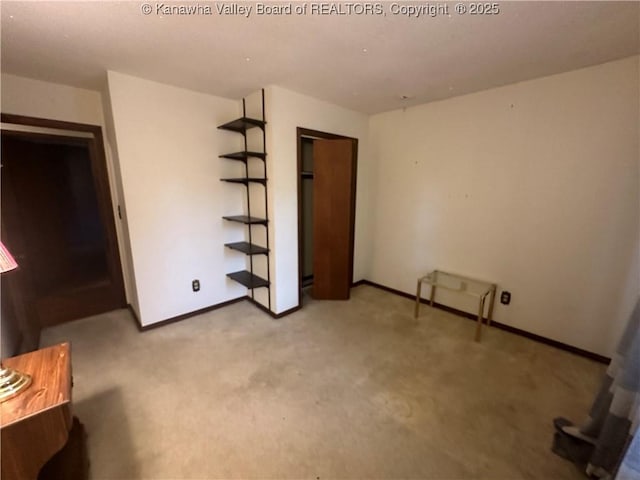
point(327, 165)
point(58, 221)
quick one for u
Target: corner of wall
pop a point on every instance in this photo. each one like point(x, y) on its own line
point(122, 226)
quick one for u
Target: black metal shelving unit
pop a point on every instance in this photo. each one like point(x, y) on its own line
point(247, 277)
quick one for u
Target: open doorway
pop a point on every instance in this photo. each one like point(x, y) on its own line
point(58, 221)
point(306, 211)
point(327, 166)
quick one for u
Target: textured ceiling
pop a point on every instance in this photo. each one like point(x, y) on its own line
point(363, 62)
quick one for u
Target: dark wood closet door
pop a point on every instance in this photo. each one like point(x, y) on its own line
point(55, 223)
point(333, 187)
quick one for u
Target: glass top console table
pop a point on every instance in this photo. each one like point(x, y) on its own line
point(464, 285)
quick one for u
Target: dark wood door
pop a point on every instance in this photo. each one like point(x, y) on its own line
point(59, 226)
point(20, 325)
point(333, 197)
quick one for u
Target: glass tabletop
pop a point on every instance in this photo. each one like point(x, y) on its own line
point(458, 283)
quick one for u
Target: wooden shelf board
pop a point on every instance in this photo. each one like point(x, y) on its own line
point(247, 248)
point(246, 219)
point(242, 124)
point(248, 279)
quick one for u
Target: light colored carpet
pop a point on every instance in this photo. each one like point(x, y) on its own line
point(356, 389)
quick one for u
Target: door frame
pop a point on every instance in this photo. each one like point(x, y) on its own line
point(100, 174)
point(309, 133)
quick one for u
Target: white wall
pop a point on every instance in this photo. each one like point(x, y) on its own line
point(168, 146)
point(287, 110)
point(533, 185)
point(36, 98)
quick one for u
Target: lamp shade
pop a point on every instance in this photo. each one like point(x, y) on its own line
point(7, 262)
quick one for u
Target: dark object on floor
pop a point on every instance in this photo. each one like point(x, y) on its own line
point(567, 446)
point(72, 462)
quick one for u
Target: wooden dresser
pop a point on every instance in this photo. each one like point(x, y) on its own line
point(36, 424)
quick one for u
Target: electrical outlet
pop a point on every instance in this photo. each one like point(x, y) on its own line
point(505, 297)
point(195, 285)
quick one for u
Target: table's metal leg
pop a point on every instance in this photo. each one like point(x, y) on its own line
point(418, 290)
point(492, 300)
point(480, 312)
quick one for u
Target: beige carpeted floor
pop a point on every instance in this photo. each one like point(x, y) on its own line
point(355, 389)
